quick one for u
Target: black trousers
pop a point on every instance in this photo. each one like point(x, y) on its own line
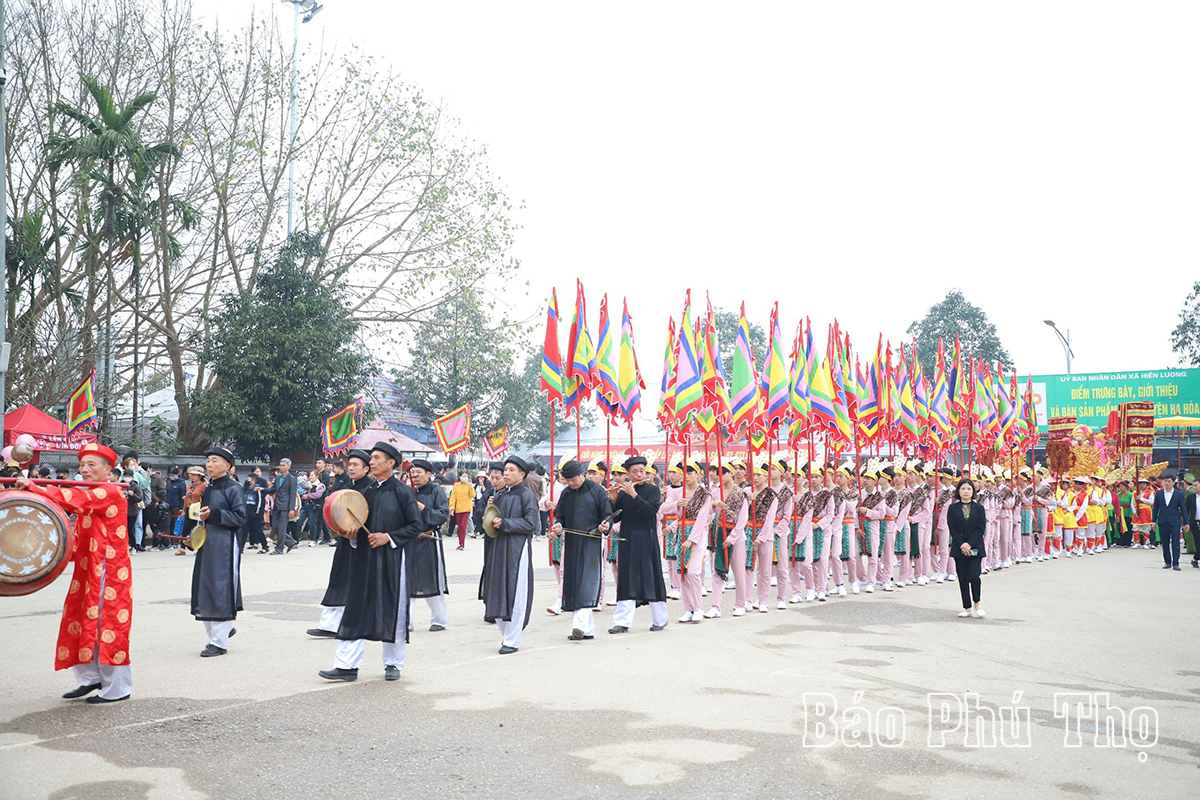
point(252, 531)
point(1170, 545)
point(969, 583)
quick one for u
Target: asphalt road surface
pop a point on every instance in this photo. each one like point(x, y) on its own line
point(822, 700)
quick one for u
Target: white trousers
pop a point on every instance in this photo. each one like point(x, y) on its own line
point(623, 615)
point(512, 630)
point(218, 633)
point(115, 681)
point(331, 618)
point(349, 653)
point(437, 611)
point(584, 620)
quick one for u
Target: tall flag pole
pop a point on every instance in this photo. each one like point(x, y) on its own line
point(798, 399)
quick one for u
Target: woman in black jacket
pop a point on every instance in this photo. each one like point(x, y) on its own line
point(968, 524)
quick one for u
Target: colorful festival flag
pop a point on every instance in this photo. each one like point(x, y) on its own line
point(552, 370)
point(340, 427)
point(81, 409)
point(608, 394)
point(454, 429)
point(495, 441)
point(798, 399)
point(689, 391)
point(580, 373)
point(744, 383)
point(629, 375)
point(666, 395)
point(775, 378)
point(716, 388)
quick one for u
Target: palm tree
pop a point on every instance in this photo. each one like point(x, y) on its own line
point(109, 152)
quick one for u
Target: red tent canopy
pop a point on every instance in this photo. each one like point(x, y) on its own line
point(47, 432)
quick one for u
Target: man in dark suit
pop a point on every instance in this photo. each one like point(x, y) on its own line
point(286, 493)
point(1171, 517)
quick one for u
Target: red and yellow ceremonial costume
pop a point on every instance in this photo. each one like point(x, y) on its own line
point(101, 565)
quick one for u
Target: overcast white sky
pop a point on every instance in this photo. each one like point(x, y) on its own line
point(847, 159)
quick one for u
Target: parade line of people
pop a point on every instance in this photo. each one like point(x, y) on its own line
point(802, 532)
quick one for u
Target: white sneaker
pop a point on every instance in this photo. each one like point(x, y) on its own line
point(870, 588)
point(553, 610)
point(739, 611)
point(704, 592)
point(686, 617)
point(754, 606)
point(986, 570)
point(781, 606)
point(842, 590)
point(797, 598)
point(1054, 554)
point(887, 587)
point(1136, 546)
point(763, 609)
point(812, 595)
point(922, 581)
point(673, 594)
point(712, 613)
point(941, 578)
point(821, 597)
point(312, 544)
point(964, 613)
point(772, 580)
point(951, 577)
point(980, 614)
point(854, 588)
point(614, 602)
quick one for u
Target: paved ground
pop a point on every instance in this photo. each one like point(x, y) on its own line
point(711, 710)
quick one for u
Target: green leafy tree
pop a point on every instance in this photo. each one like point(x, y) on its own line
point(465, 355)
point(726, 323)
point(1185, 339)
point(955, 316)
point(284, 356)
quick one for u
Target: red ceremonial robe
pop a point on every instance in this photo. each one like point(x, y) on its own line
point(101, 547)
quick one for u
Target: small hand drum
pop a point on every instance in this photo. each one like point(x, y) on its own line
point(36, 542)
point(346, 511)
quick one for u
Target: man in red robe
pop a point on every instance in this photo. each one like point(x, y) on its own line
point(93, 637)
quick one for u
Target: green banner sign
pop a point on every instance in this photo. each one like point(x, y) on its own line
point(1091, 396)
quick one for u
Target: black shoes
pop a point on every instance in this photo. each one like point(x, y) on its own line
point(618, 629)
point(212, 650)
point(656, 628)
point(505, 650)
point(577, 635)
point(80, 691)
point(321, 633)
point(1176, 568)
point(344, 674)
point(1166, 566)
point(391, 673)
point(97, 700)
point(436, 627)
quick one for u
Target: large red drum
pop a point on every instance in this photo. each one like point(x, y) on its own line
point(36, 542)
point(345, 511)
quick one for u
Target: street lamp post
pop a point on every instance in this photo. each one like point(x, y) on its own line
point(311, 9)
point(1066, 343)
